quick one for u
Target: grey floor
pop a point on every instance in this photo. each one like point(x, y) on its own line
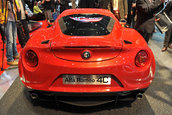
point(7, 78)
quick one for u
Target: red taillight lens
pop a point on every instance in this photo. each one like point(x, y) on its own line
point(31, 58)
point(141, 58)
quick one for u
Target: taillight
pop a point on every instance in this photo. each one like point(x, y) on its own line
point(141, 58)
point(31, 58)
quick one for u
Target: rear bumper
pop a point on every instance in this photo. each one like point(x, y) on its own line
point(87, 99)
point(47, 76)
point(81, 94)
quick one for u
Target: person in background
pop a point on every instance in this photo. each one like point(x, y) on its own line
point(2, 32)
point(97, 3)
point(73, 4)
point(145, 22)
point(56, 12)
point(105, 4)
point(64, 4)
point(40, 4)
point(22, 24)
point(48, 6)
point(29, 12)
point(87, 4)
point(2, 13)
point(120, 8)
point(2, 8)
point(30, 4)
point(56, 4)
point(168, 34)
point(36, 9)
point(10, 9)
point(131, 13)
point(33, 16)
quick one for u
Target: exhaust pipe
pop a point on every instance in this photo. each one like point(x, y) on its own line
point(34, 96)
point(139, 96)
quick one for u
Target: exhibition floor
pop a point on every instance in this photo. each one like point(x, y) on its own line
point(157, 99)
point(9, 74)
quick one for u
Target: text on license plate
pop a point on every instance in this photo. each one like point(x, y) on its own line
point(87, 79)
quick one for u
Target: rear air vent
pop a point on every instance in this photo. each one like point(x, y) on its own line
point(127, 42)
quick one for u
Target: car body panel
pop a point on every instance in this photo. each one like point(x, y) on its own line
point(111, 55)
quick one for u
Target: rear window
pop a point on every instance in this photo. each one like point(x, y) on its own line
point(86, 25)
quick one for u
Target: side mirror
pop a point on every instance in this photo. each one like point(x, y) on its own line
point(123, 22)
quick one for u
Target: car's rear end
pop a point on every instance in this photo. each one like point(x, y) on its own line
point(88, 58)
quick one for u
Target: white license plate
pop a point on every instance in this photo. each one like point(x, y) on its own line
point(87, 79)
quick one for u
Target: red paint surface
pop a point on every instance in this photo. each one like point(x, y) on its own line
point(54, 59)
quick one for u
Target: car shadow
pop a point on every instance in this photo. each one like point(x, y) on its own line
point(140, 106)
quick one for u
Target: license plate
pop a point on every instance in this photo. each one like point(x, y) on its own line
point(87, 79)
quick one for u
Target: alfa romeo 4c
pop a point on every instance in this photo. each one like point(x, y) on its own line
point(86, 55)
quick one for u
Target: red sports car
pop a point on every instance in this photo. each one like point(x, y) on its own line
point(86, 53)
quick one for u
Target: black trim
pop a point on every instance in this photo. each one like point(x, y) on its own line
point(122, 93)
point(45, 42)
point(127, 42)
point(87, 99)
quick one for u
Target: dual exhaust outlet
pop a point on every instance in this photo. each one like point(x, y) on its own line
point(139, 96)
point(34, 96)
